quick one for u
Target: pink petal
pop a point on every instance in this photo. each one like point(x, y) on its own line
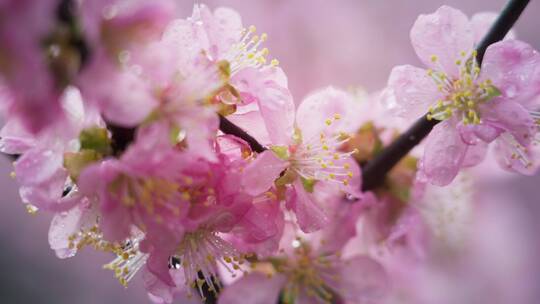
point(223, 28)
point(14, 139)
point(506, 152)
point(254, 288)
point(38, 165)
point(511, 117)
point(445, 34)
point(260, 174)
point(65, 224)
point(323, 104)
point(410, 92)
point(342, 226)
point(274, 100)
point(252, 123)
point(514, 68)
point(123, 97)
point(475, 154)
point(362, 280)
point(309, 215)
point(443, 154)
point(482, 22)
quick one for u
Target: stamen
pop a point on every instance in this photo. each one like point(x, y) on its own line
point(200, 251)
point(246, 52)
point(464, 95)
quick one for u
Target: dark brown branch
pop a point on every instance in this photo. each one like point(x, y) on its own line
point(227, 127)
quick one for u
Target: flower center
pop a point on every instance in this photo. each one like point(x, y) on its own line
point(308, 274)
point(319, 158)
point(155, 196)
point(464, 95)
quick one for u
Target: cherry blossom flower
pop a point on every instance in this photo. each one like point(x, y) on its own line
point(476, 106)
point(40, 168)
point(310, 269)
point(309, 156)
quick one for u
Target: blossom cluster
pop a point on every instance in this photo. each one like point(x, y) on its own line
point(113, 110)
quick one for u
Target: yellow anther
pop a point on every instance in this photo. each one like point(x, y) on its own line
point(252, 29)
point(264, 36)
point(434, 58)
point(274, 62)
point(12, 174)
point(328, 122)
point(337, 116)
point(346, 166)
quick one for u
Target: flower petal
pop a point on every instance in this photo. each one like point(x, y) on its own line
point(65, 224)
point(254, 288)
point(514, 68)
point(410, 92)
point(443, 154)
point(274, 100)
point(259, 176)
point(318, 107)
point(482, 22)
point(445, 34)
point(309, 215)
point(362, 280)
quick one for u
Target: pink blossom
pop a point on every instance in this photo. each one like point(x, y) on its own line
point(310, 271)
point(23, 27)
point(220, 37)
point(311, 155)
point(40, 169)
point(476, 106)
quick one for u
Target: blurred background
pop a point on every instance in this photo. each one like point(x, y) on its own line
point(318, 42)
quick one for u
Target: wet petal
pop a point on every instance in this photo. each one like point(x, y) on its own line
point(255, 288)
point(443, 154)
point(310, 216)
point(313, 114)
point(445, 34)
point(482, 22)
point(260, 174)
point(362, 280)
point(410, 92)
point(514, 68)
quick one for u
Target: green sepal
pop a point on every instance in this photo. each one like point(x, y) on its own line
point(492, 92)
point(308, 184)
point(75, 162)
point(285, 179)
point(281, 152)
point(96, 139)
